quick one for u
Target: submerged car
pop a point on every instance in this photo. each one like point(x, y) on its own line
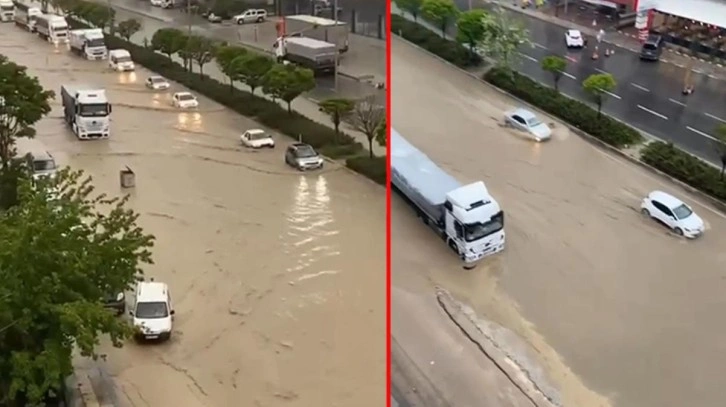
point(303, 157)
point(184, 100)
point(673, 213)
point(257, 138)
point(157, 83)
point(527, 122)
point(574, 39)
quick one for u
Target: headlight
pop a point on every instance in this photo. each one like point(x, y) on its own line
point(120, 297)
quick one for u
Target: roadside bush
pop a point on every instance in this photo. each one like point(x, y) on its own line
point(373, 168)
point(451, 51)
point(685, 167)
point(574, 112)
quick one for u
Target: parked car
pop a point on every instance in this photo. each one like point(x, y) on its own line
point(214, 18)
point(116, 302)
point(652, 48)
point(574, 39)
point(257, 138)
point(303, 157)
point(250, 16)
point(673, 213)
point(157, 83)
point(184, 100)
point(526, 121)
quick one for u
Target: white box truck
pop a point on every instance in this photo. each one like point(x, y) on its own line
point(319, 28)
point(319, 56)
point(86, 111)
point(466, 217)
point(52, 28)
point(7, 11)
point(88, 43)
point(25, 15)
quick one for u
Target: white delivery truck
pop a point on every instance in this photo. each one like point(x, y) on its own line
point(319, 56)
point(87, 111)
point(120, 60)
point(52, 28)
point(467, 217)
point(323, 29)
point(88, 43)
point(25, 15)
point(7, 11)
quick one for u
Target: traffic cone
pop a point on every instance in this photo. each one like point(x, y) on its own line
point(607, 52)
point(594, 22)
point(595, 54)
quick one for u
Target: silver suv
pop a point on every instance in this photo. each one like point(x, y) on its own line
point(250, 16)
point(303, 157)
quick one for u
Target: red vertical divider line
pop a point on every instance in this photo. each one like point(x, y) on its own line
point(388, 203)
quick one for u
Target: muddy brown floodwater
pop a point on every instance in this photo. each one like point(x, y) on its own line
point(277, 277)
point(620, 311)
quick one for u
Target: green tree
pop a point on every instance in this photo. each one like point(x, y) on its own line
point(84, 247)
point(440, 12)
point(470, 28)
point(181, 42)
point(410, 6)
point(555, 65)
point(286, 82)
point(503, 36)
point(597, 86)
point(224, 56)
point(101, 16)
point(720, 145)
point(337, 109)
point(201, 50)
point(168, 41)
point(251, 69)
point(382, 134)
point(127, 28)
point(368, 116)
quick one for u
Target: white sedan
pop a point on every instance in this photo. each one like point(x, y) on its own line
point(574, 39)
point(673, 213)
point(526, 121)
point(157, 83)
point(184, 100)
point(257, 138)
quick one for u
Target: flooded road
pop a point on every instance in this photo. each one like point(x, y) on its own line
point(278, 285)
point(620, 311)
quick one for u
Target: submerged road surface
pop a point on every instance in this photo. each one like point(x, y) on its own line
point(277, 283)
point(620, 311)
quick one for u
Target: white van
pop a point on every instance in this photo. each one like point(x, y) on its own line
point(152, 314)
point(120, 60)
point(39, 161)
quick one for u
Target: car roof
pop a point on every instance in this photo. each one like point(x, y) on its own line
point(255, 131)
point(524, 114)
point(299, 145)
point(156, 77)
point(183, 93)
point(151, 291)
point(665, 198)
point(572, 32)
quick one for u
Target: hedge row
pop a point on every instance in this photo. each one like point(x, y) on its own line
point(685, 167)
point(373, 168)
point(574, 112)
point(451, 51)
point(257, 108)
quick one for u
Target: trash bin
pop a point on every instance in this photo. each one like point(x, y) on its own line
point(128, 178)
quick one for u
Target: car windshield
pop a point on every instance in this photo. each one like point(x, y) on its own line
point(96, 42)
point(682, 211)
point(43, 165)
point(478, 230)
point(258, 136)
point(185, 96)
point(305, 152)
point(574, 35)
point(151, 310)
point(94, 110)
point(649, 47)
point(123, 59)
point(533, 122)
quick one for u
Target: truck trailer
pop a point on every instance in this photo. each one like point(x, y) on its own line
point(25, 15)
point(319, 56)
point(323, 29)
point(52, 28)
point(89, 43)
point(466, 217)
point(7, 11)
point(87, 111)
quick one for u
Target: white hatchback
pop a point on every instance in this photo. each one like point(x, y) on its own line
point(257, 138)
point(184, 100)
point(673, 213)
point(574, 39)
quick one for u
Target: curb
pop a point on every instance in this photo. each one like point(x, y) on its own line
point(711, 200)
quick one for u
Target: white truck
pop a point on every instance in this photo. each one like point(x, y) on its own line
point(25, 15)
point(88, 43)
point(319, 56)
point(87, 111)
point(120, 60)
point(7, 11)
point(52, 28)
point(467, 217)
point(323, 29)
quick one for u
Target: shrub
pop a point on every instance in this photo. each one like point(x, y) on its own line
point(451, 51)
point(373, 168)
point(571, 111)
point(685, 167)
point(340, 151)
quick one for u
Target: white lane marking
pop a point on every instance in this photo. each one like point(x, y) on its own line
point(539, 46)
point(677, 102)
point(600, 70)
point(643, 88)
point(700, 133)
point(571, 59)
point(715, 117)
point(652, 112)
point(613, 95)
point(533, 59)
point(569, 75)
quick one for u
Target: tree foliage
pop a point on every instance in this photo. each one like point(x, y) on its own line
point(470, 28)
point(597, 86)
point(440, 12)
point(410, 6)
point(201, 50)
point(251, 69)
point(127, 28)
point(286, 82)
point(720, 146)
point(224, 55)
point(101, 16)
point(367, 119)
point(555, 65)
point(382, 134)
point(84, 247)
point(168, 41)
point(503, 36)
point(337, 109)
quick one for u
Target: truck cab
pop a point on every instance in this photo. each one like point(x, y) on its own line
point(26, 16)
point(7, 10)
point(89, 43)
point(120, 60)
point(87, 111)
point(52, 28)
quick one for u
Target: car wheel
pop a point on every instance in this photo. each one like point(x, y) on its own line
point(240, 21)
point(678, 231)
point(645, 212)
point(259, 20)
